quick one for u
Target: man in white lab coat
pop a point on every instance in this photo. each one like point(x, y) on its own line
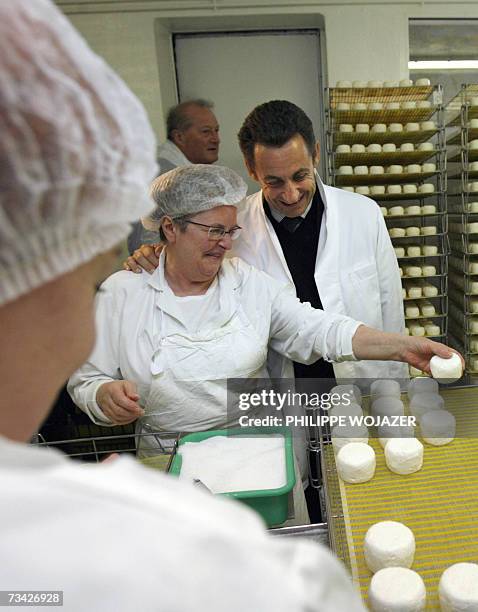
point(342, 260)
point(76, 156)
point(192, 138)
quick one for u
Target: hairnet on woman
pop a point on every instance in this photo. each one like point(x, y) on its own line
point(75, 155)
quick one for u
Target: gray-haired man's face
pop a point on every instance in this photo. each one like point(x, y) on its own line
point(199, 142)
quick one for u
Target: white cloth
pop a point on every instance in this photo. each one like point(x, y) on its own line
point(356, 270)
point(119, 537)
point(197, 312)
point(134, 315)
point(170, 156)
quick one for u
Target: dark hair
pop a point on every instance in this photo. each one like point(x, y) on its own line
point(178, 118)
point(272, 124)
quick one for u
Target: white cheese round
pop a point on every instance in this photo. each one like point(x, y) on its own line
point(383, 387)
point(422, 402)
point(356, 462)
point(404, 455)
point(397, 589)
point(386, 432)
point(438, 427)
point(346, 410)
point(458, 588)
point(422, 384)
point(389, 544)
point(414, 292)
point(363, 190)
point(387, 406)
point(412, 310)
point(446, 370)
point(430, 290)
point(348, 392)
point(343, 435)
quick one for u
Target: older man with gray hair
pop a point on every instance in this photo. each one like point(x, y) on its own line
point(192, 138)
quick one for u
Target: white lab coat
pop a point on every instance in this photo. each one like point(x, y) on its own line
point(356, 270)
point(134, 318)
point(169, 156)
point(119, 537)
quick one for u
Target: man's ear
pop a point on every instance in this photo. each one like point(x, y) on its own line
point(316, 157)
point(169, 229)
point(177, 137)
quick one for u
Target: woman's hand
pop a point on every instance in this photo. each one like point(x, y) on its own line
point(119, 401)
point(144, 258)
point(369, 343)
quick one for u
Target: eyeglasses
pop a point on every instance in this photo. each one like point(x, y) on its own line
point(217, 233)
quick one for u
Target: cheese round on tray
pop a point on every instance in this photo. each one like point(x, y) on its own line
point(350, 391)
point(387, 432)
point(414, 292)
point(458, 588)
point(446, 370)
point(387, 387)
point(412, 310)
point(363, 190)
point(397, 589)
point(438, 427)
point(343, 435)
point(404, 455)
point(424, 401)
point(356, 462)
point(387, 406)
point(429, 290)
point(389, 544)
point(397, 232)
point(346, 410)
point(422, 384)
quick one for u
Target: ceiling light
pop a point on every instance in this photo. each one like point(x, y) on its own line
point(443, 65)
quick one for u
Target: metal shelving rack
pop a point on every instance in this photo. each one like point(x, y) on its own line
point(461, 115)
point(416, 104)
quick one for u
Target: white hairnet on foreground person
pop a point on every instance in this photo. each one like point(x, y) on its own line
point(76, 154)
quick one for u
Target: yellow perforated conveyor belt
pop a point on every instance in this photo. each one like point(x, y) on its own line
point(439, 503)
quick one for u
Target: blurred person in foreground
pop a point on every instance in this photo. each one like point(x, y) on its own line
point(76, 154)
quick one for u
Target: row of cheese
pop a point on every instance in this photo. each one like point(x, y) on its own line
point(380, 128)
point(359, 84)
point(407, 189)
point(387, 147)
point(392, 169)
point(378, 106)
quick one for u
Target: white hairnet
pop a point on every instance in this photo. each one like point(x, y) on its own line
point(76, 150)
point(193, 189)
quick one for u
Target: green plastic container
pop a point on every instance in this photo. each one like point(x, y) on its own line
point(271, 504)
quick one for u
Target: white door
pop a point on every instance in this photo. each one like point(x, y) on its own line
point(238, 71)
